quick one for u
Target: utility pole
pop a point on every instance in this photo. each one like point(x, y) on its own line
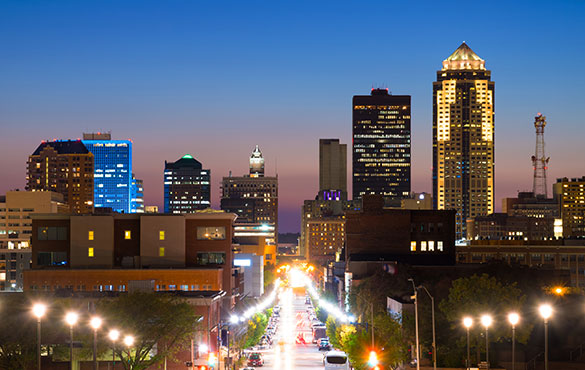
point(433, 318)
point(416, 323)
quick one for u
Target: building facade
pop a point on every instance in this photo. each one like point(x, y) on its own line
point(187, 186)
point(253, 196)
point(16, 208)
point(503, 226)
point(65, 167)
point(326, 239)
point(112, 171)
point(571, 196)
point(332, 168)
point(416, 237)
point(77, 243)
point(137, 196)
point(463, 137)
point(381, 145)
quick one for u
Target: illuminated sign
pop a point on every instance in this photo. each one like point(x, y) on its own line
point(242, 262)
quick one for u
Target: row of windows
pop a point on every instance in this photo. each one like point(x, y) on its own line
point(426, 246)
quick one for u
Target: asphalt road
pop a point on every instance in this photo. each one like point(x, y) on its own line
point(286, 354)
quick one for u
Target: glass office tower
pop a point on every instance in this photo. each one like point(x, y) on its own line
point(112, 171)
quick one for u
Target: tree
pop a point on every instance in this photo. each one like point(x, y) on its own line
point(482, 294)
point(162, 320)
point(17, 334)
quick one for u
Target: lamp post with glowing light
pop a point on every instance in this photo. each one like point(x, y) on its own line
point(95, 323)
point(513, 318)
point(128, 342)
point(71, 319)
point(114, 335)
point(486, 321)
point(39, 311)
point(467, 322)
point(546, 312)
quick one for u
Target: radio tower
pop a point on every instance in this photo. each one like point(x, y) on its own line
point(539, 159)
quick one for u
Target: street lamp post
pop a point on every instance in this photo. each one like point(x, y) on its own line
point(371, 304)
point(546, 313)
point(513, 318)
point(416, 323)
point(467, 322)
point(486, 321)
point(95, 323)
point(433, 318)
point(128, 342)
point(71, 319)
point(114, 335)
point(39, 311)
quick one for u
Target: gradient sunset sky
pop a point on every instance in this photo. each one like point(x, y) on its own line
point(215, 78)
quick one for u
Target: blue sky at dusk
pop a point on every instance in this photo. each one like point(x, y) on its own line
point(215, 78)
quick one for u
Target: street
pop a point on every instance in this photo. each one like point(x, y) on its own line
point(285, 353)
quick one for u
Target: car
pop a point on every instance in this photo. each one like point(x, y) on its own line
point(324, 344)
point(255, 359)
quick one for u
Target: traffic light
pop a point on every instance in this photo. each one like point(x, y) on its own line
point(373, 360)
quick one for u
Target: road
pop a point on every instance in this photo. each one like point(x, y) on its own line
point(285, 354)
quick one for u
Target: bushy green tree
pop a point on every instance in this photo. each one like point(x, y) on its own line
point(17, 334)
point(162, 320)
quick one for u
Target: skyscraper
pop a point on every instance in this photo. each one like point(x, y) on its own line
point(332, 169)
point(137, 199)
point(463, 137)
point(113, 171)
point(254, 198)
point(381, 145)
point(186, 186)
point(65, 167)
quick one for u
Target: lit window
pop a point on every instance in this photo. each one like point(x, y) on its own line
point(161, 235)
point(423, 246)
point(90, 252)
point(439, 245)
point(127, 234)
point(431, 245)
point(413, 246)
point(90, 235)
point(161, 252)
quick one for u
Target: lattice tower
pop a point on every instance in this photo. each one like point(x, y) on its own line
point(539, 159)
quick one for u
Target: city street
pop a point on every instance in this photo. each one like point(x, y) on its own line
point(285, 353)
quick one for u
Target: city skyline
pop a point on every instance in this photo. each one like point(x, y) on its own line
point(166, 98)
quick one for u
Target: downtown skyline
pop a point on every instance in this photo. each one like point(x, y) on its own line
point(175, 83)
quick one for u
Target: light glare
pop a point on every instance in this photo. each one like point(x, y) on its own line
point(467, 322)
point(486, 320)
point(545, 311)
point(71, 318)
point(513, 318)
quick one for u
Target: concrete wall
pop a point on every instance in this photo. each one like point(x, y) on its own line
point(173, 241)
point(102, 243)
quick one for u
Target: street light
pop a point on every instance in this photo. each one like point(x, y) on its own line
point(546, 312)
point(415, 297)
point(128, 340)
point(486, 321)
point(71, 319)
point(114, 335)
point(467, 322)
point(513, 318)
point(433, 318)
point(39, 310)
point(95, 323)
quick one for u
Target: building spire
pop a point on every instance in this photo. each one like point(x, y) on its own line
point(256, 163)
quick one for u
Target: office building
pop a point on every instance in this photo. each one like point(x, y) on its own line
point(463, 137)
point(377, 235)
point(498, 226)
point(332, 169)
point(16, 208)
point(526, 204)
point(253, 197)
point(137, 196)
point(186, 186)
point(253, 267)
point(112, 171)
point(381, 146)
point(65, 167)
point(326, 240)
point(554, 256)
point(106, 252)
point(417, 201)
point(571, 197)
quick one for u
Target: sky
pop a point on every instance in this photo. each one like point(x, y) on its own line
point(215, 78)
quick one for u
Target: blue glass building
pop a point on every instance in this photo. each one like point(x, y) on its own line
point(112, 171)
point(137, 191)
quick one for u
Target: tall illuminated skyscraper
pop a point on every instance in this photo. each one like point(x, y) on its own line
point(186, 186)
point(463, 137)
point(112, 171)
point(381, 146)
